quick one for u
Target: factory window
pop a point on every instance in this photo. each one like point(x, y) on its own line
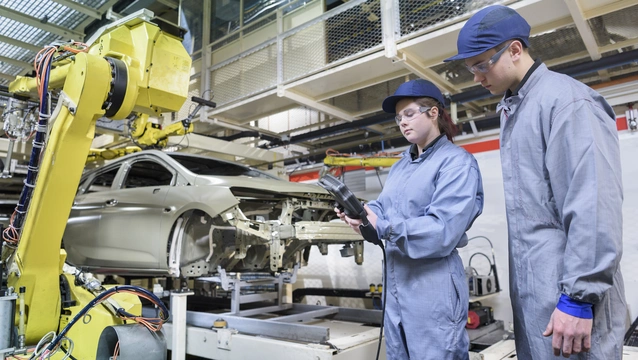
point(147, 173)
point(102, 181)
point(191, 19)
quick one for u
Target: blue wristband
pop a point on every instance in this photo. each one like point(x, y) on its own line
point(575, 308)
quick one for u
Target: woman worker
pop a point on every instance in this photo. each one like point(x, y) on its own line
point(431, 197)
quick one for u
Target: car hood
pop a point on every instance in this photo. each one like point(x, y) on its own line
point(262, 184)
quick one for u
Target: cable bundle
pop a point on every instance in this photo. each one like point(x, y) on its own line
point(42, 65)
point(153, 324)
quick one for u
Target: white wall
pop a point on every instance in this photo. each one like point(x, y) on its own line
point(337, 272)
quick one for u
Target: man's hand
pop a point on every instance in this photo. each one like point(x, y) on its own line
point(572, 334)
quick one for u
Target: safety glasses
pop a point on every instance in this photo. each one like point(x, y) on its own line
point(411, 114)
point(486, 66)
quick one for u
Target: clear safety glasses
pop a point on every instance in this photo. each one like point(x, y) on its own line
point(485, 66)
point(411, 114)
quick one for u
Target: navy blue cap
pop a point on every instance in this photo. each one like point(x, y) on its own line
point(489, 28)
point(412, 89)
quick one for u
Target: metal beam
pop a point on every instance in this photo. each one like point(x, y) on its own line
point(225, 108)
point(347, 314)
point(298, 332)
point(606, 9)
point(314, 104)
point(619, 45)
point(621, 94)
point(363, 84)
point(205, 59)
point(18, 43)
point(19, 147)
point(306, 316)
point(320, 141)
point(552, 25)
point(535, 31)
point(427, 73)
point(264, 114)
point(18, 63)
point(104, 8)
point(583, 28)
point(170, 3)
point(322, 123)
point(223, 122)
point(225, 147)
point(409, 62)
point(376, 128)
point(616, 73)
point(7, 77)
point(37, 23)
point(336, 129)
point(620, 59)
point(96, 14)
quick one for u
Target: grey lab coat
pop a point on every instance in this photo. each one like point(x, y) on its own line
point(563, 195)
point(425, 208)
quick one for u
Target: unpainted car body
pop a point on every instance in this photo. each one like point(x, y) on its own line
point(156, 213)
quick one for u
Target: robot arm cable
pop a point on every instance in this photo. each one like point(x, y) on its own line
point(42, 64)
point(151, 324)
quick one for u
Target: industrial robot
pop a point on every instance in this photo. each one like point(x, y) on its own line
point(134, 69)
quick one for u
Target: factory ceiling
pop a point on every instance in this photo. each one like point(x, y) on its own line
point(301, 77)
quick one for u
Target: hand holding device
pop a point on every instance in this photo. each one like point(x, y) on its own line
point(352, 207)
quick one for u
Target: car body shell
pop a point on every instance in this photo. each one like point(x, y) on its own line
point(148, 214)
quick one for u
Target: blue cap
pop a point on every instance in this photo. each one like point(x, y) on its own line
point(412, 89)
point(489, 28)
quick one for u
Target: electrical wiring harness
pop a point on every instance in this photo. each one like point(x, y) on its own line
point(153, 324)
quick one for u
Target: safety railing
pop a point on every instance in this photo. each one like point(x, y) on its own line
point(342, 34)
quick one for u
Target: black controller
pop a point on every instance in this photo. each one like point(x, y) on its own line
point(350, 205)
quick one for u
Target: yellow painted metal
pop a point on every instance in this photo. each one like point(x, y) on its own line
point(158, 73)
point(28, 86)
point(147, 133)
point(37, 259)
point(110, 154)
point(86, 332)
point(380, 161)
point(159, 67)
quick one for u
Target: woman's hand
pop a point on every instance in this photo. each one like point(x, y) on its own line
point(372, 217)
point(354, 223)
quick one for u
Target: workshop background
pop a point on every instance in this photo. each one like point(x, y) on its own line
point(293, 79)
point(333, 271)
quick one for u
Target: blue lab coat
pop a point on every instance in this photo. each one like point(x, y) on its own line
point(425, 208)
point(563, 193)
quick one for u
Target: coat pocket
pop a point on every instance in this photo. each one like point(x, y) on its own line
point(459, 298)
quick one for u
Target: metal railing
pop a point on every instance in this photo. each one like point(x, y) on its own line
point(340, 35)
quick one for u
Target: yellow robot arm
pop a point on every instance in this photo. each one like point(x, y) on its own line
point(381, 161)
point(110, 154)
point(133, 67)
point(148, 134)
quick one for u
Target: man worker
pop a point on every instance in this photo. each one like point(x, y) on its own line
point(563, 193)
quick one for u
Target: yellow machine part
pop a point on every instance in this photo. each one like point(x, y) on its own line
point(86, 332)
point(157, 62)
point(158, 69)
point(148, 134)
point(360, 161)
point(28, 85)
point(110, 154)
point(37, 256)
